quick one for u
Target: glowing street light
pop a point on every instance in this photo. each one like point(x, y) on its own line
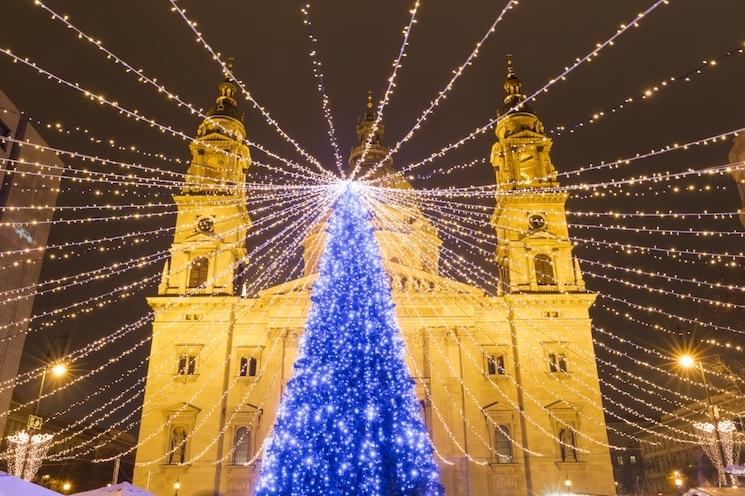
point(688, 361)
point(66, 487)
point(59, 369)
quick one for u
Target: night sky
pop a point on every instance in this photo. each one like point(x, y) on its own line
point(357, 43)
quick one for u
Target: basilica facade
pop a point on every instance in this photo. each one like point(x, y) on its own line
point(507, 382)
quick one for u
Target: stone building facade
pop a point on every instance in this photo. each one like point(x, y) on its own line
point(507, 382)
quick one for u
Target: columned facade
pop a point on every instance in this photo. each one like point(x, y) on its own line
point(507, 383)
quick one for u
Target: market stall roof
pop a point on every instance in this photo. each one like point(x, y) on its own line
point(121, 489)
point(19, 487)
point(715, 491)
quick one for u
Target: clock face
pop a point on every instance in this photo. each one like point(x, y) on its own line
point(205, 224)
point(536, 222)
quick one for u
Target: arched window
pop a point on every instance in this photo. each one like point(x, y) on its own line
point(495, 365)
point(198, 272)
point(242, 446)
point(248, 367)
point(503, 444)
point(544, 270)
point(177, 446)
point(568, 445)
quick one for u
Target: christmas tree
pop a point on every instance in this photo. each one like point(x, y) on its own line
point(349, 422)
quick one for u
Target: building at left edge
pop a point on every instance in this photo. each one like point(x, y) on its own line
point(23, 232)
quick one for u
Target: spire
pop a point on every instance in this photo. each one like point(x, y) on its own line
point(513, 90)
point(370, 113)
point(226, 104)
point(366, 123)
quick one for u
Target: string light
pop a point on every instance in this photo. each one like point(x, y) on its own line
point(319, 76)
point(26, 453)
point(227, 70)
point(388, 91)
point(171, 96)
point(649, 92)
point(442, 94)
point(544, 89)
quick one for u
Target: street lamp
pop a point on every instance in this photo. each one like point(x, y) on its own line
point(176, 487)
point(66, 487)
point(687, 362)
point(59, 369)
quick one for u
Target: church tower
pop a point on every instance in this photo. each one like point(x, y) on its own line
point(548, 309)
point(192, 331)
point(534, 252)
point(417, 245)
point(208, 246)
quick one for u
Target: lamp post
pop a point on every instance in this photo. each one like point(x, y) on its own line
point(687, 362)
point(176, 487)
point(59, 369)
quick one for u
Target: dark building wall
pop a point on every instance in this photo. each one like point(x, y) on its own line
point(736, 156)
point(626, 457)
point(20, 270)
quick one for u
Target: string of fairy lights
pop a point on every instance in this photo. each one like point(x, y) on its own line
point(289, 215)
point(633, 411)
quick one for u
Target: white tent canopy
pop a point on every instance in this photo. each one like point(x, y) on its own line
point(715, 491)
point(13, 486)
point(121, 489)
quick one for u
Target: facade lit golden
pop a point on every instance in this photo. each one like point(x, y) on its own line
point(508, 383)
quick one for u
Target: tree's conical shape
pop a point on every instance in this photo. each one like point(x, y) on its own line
point(349, 422)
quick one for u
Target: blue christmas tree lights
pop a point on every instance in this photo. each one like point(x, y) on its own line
point(349, 422)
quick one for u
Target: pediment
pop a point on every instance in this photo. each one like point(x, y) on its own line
point(403, 279)
point(544, 234)
point(182, 408)
point(497, 406)
point(204, 237)
point(561, 405)
point(411, 280)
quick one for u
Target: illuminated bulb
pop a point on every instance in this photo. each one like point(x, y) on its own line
point(59, 369)
point(686, 361)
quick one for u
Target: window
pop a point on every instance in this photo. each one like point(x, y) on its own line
point(568, 445)
point(187, 364)
point(495, 365)
point(177, 446)
point(619, 459)
point(544, 270)
point(198, 272)
point(242, 446)
point(632, 459)
point(503, 443)
point(4, 133)
point(557, 362)
point(248, 367)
